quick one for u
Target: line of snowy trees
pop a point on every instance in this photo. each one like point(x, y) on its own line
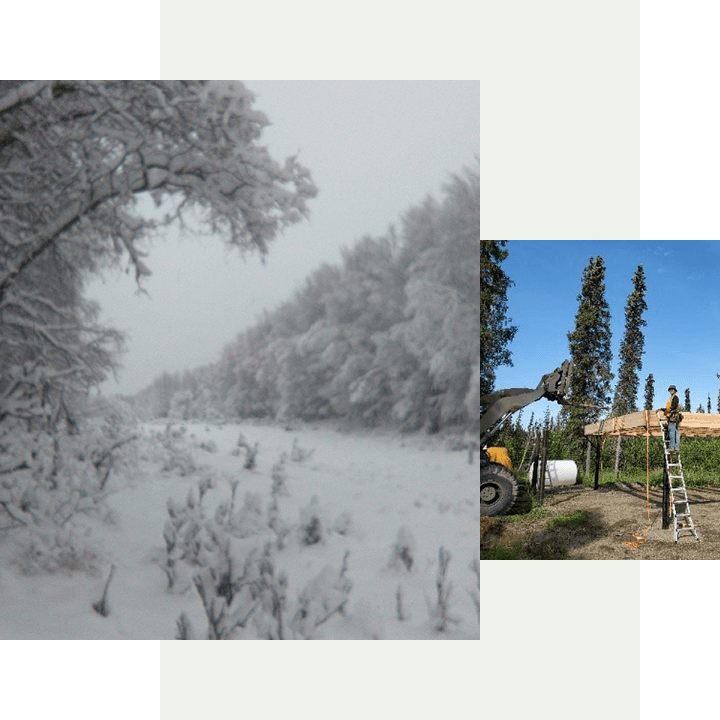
point(390, 336)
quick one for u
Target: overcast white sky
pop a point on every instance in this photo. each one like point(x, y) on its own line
point(374, 149)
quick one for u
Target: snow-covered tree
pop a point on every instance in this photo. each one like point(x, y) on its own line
point(443, 300)
point(75, 156)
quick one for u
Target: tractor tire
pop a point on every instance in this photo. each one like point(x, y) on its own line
point(498, 489)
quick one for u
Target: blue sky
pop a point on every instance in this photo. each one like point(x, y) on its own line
point(682, 337)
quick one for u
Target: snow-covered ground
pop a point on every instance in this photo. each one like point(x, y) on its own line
point(381, 506)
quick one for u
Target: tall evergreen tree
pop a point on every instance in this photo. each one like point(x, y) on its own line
point(687, 400)
point(650, 393)
point(632, 347)
point(709, 406)
point(591, 356)
point(631, 352)
point(495, 331)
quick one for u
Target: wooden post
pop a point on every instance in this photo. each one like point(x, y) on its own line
point(543, 466)
point(665, 499)
point(647, 464)
point(597, 462)
point(534, 463)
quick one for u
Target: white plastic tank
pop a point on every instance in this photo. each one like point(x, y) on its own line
point(558, 472)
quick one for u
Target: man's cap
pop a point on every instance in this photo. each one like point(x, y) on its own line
point(672, 387)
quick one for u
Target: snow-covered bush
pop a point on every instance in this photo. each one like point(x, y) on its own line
point(279, 478)
point(231, 558)
point(298, 454)
point(227, 586)
point(251, 452)
point(312, 524)
point(402, 555)
point(173, 452)
point(49, 481)
point(440, 611)
point(324, 596)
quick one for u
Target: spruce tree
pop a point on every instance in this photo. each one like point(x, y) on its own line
point(709, 406)
point(650, 393)
point(591, 356)
point(687, 399)
point(495, 331)
point(631, 352)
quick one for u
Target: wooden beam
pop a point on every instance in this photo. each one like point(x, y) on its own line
point(633, 424)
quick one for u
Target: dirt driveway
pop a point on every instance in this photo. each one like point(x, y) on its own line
point(616, 527)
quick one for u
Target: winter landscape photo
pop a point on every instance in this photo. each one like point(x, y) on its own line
point(239, 360)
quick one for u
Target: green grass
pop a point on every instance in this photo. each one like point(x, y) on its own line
point(498, 552)
point(536, 512)
point(577, 518)
point(693, 478)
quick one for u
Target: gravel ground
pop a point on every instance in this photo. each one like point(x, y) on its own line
point(617, 526)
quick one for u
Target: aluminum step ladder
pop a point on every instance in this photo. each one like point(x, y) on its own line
point(682, 519)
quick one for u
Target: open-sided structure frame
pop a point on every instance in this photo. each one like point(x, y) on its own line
point(645, 424)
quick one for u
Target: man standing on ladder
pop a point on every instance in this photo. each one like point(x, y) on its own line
point(673, 417)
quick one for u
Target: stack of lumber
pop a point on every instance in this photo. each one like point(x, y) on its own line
point(634, 424)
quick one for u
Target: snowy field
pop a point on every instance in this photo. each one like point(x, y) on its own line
point(331, 535)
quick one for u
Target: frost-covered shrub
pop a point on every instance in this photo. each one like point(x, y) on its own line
point(227, 585)
point(279, 478)
point(271, 592)
point(49, 481)
point(277, 524)
point(179, 534)
point(231, 559)
point(324, 596)
point(251, 452)
point(402, 555)
point(173, 452)
point(440, 611)
point(250, 519)
point(312, 526)
point(45, 548)
point(298, 454)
